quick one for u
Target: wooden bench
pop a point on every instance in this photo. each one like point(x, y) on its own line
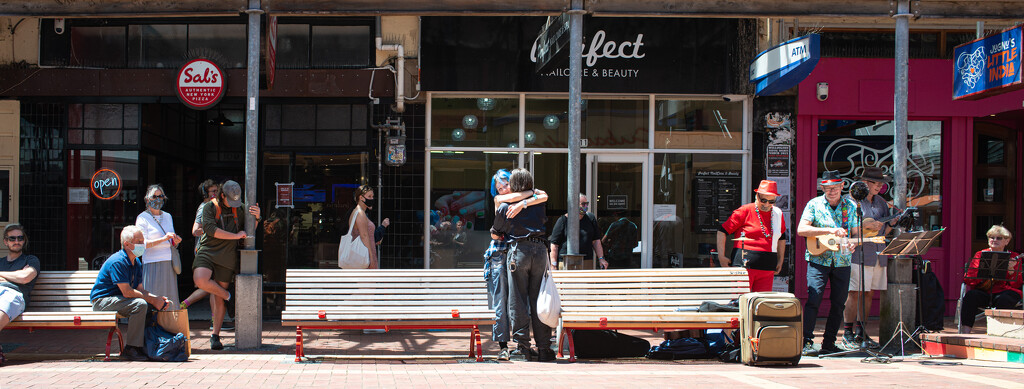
point(60, 300)
point(646, 299)
point(388, 300)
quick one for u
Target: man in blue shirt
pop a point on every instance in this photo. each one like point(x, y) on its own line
point(830, 213)
point(118, 288)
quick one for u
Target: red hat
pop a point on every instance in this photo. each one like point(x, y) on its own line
point(768, 187)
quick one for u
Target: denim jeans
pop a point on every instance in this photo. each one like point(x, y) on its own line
point(817, 277)
point(527, 262)
point(497, 290)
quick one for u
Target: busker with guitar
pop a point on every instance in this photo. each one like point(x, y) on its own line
point(983, 293)
point(828, 214)
point(762, 223)
point(874, 267)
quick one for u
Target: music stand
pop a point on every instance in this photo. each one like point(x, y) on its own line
point(992, 266)
point(909, 244)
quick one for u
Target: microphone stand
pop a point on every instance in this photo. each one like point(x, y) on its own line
point(873, 356)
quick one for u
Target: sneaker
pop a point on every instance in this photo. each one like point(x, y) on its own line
point(546, 355)
point(809, 350)
point(504, 354)
point(522, 354)
point(215, 343)
point(829, 348)
point(869, 343)
point(132, 353)
point(849, 339)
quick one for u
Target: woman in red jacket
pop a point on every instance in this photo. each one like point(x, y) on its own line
point(988, 293)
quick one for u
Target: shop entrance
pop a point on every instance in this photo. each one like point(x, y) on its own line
point(995, 180)
point(618, 200)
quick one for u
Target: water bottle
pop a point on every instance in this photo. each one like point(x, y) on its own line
point(844, 246)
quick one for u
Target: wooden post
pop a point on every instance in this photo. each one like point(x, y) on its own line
point(901, 292)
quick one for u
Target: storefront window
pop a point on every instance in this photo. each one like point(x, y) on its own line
point(475, 122)
point(615, 124)
point(698, 124)
point(228, 41)
point(103, 124)
point(693, 194)
point(306, 235)
point(848, 146)
point(97, 211)
point(341, 46)
point(462, 209)
point(157, 45)
point(547, 123)
point(292, 46)
point(97, 47)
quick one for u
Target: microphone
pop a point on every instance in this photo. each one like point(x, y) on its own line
point(859, 190)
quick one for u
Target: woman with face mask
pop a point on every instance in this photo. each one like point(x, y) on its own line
point(158, 229)
point(364, 228)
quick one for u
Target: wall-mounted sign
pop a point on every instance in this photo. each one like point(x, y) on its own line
point(987, 66)
point(284, 194)
point(271, 51)
point(201, 84)
point(105, 184)
point(78, 195)
point(717, 194)
point(784, 66)
point(617, 202)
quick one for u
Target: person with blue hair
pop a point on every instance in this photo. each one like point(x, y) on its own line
point(495, 271)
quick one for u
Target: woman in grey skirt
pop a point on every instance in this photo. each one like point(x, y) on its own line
point(158, 228)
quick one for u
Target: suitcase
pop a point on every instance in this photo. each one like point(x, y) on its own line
point(771, 329)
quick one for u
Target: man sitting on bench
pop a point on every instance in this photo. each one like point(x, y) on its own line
point(118, 288)
point(18, 273)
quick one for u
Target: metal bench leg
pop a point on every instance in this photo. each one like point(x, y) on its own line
point(299, 353)
point(110, 335)
point(572, 346)
point(479, 346)
point(472, 337)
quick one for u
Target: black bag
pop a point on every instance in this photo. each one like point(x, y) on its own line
point(682, 348)
point(608, 344)
point(932, 301)
point(711, 306)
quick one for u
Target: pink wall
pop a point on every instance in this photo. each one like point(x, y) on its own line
point(862, 88)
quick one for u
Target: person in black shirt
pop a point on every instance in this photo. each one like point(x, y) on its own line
point(590, 236)
point(527, 262)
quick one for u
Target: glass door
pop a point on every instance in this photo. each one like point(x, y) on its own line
point(618, 200)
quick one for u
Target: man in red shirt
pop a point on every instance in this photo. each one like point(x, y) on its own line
point(761, 222)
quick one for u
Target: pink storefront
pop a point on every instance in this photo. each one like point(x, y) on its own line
point(964, 155)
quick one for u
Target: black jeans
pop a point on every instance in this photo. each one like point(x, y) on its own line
point(975, 300)
point(817, 277)
point(527, 262)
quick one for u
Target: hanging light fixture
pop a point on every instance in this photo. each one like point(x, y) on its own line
point(470, 121)
point(458, 134)
point(550, 122)
point(530, 136)
point(485, 103)
point(221, 120)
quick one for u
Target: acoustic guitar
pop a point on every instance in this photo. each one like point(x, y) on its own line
point(816, 245)
point(870, 232)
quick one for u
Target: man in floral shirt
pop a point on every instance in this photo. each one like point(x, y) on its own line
point(830, 213)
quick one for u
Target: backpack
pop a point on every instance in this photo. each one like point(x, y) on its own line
point(608, 344)
point(682, 348)
point(234, 212)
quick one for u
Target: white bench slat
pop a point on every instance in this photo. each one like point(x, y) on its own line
point(390, 285)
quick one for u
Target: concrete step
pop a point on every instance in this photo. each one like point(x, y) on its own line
point(974, 346)
point(1007, 323)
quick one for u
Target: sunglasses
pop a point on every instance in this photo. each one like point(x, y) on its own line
point(15, 238)
point(997, 237)
point(585, 203)
point(766, 201)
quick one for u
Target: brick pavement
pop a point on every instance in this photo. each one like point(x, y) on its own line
point(435, 359)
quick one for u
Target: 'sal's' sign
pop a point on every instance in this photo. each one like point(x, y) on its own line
point(200, 84)
point(988, 66)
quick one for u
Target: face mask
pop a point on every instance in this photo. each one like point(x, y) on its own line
point(368, 202)
point(140, 248)
point(155, 204)
point(583, 209)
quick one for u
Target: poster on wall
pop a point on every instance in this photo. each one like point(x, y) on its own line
point(783, 201)
point(717, 195)
point(284, 194)
point(777, 160)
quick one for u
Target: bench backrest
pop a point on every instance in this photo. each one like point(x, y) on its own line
point(60, 291)
point(645, 290)
point(316, 289)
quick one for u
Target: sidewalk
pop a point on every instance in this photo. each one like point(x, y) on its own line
point(435, 359)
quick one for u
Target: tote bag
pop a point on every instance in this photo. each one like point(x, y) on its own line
point(175, 256)
point(352, 253)
point(549, 303)
point(176, 321)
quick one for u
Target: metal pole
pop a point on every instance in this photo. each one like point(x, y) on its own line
point(252, 92)
point(575, 98)
point(900, 152)
point(979, 29)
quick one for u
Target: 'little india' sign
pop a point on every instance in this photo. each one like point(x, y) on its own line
point(987, 66)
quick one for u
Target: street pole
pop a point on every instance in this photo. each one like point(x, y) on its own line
point(900, 291)
point(575, 97)
point(249, 283)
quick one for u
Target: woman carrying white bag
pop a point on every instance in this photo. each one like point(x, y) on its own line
point(356, 249)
